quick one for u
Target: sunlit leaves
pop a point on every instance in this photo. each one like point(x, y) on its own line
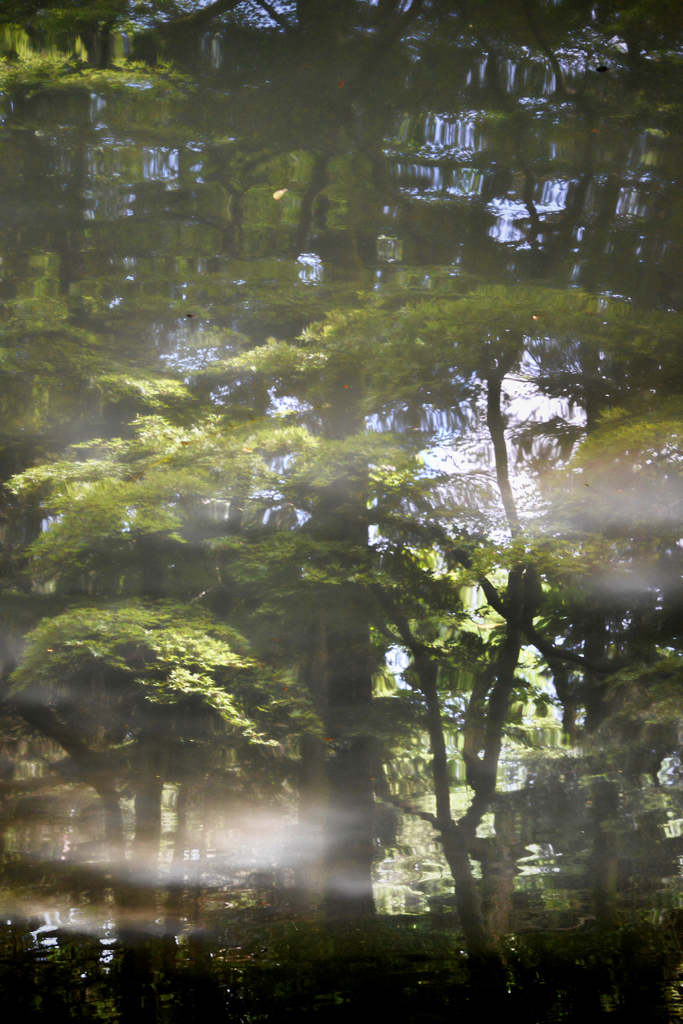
point(36, 71)
point(148, 389)
point(168, 653)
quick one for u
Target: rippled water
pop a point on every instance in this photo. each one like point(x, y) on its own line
point(259, 286)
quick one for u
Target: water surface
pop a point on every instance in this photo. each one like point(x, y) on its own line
point(342, 511)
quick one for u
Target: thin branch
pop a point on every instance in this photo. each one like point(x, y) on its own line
point(205, 15)
point(382, 42)
point(561, 87)
point(201, 17)
point(528, 197)
point(495, 601)
point(400, 621)
point(387, 633)
point(531, 17)
point(496, 425)
point(545, 647)
point(408, 808)
point(427, 670)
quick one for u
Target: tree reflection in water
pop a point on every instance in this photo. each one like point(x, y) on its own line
point(341, 531)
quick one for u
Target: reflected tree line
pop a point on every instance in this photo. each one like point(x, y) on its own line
point(211, 544)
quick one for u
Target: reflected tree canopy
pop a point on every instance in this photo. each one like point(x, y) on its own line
point(341, 445)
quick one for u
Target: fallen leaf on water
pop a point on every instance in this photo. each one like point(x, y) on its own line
point(280, 192)
point(340, 84)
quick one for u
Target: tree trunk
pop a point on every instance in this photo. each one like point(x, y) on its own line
point(148, 790)
point(313, 784)
point(427, 671)
point(351, 802)
point(345, 682)
point(351, 831)
point(174, 901)
point(605, 864)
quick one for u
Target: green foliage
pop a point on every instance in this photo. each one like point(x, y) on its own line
point(29, 73)
point(166, 653)
point(172, 482)
point(147, 389)
point(221, 458)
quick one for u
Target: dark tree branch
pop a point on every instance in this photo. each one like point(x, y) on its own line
point(383, 41)
point(457, 837)
point(531, 16)
point(315, 186)
point(536, 639)
point(272, 13)
point(45, 721)
point(528, 197)
point(494, 599)
point(399, 619)
point(513, 610)
point(496, 425)
point(387, 633)
point(94, 768)
point(427, 670)
point(200, 18)
point(474, 722)
point(542, 645)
